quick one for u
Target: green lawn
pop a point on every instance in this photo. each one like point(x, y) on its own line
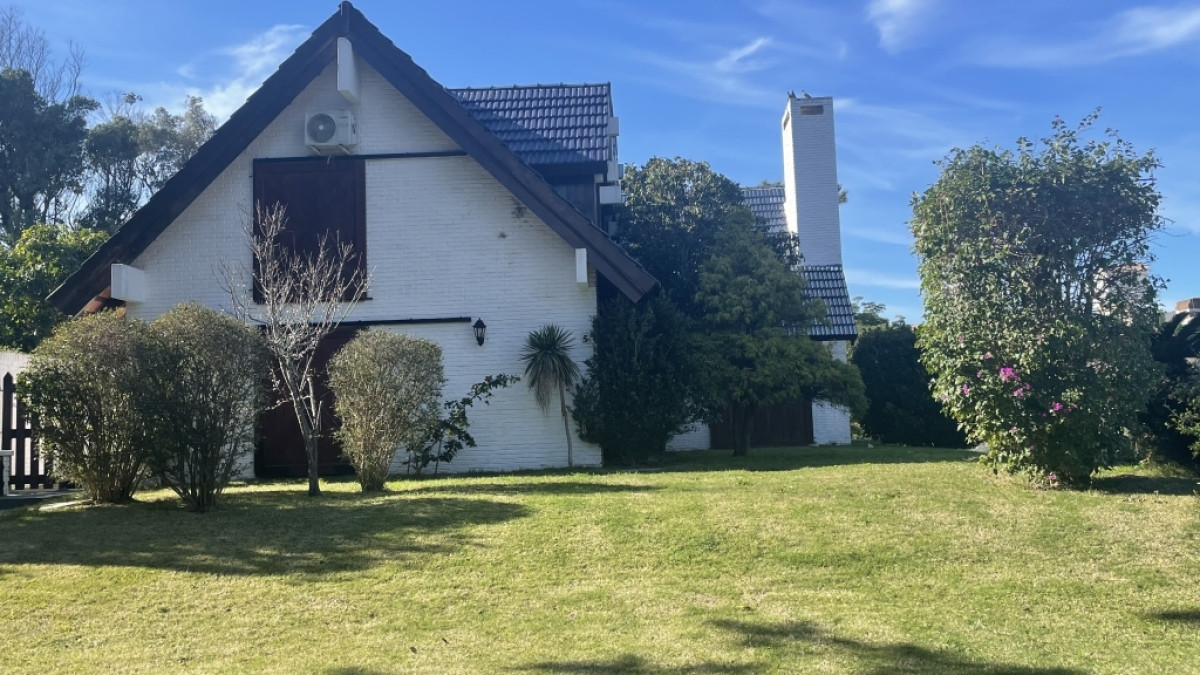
point(885, 560)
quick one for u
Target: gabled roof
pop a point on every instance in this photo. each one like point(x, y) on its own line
point(826, 282)
point(419, 88)
point(546, 124)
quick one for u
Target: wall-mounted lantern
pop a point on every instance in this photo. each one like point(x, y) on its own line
point(480, 329)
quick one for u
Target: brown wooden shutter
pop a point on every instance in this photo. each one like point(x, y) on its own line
point(321, 198)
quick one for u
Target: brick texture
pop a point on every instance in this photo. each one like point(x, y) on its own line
point(444, 239)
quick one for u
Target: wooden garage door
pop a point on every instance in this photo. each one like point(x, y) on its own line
point(280, 451)
point(774, 426)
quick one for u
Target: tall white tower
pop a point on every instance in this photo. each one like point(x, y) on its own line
point(810, 179)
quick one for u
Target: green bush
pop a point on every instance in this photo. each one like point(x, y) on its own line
point(85, 388)
point(210, 397)
point(386, 393)
point(901, 408)
point(450, 435)
point(636, 390)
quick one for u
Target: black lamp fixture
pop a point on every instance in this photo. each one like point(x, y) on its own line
point(480, 329)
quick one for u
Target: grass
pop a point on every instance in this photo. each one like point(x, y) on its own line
point(885, 560)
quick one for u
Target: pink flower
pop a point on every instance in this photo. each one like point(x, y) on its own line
point(1007, 374)
point(960, 339)
point(966, 390)
point(979, 375)
point(1019, 393)
point(987, 356)
point(1056, 406)
point(1012, 430)
point(1027, 387)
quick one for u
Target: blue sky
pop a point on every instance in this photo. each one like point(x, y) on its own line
point(707, 80)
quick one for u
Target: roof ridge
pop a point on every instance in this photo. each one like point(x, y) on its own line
point(539, 85)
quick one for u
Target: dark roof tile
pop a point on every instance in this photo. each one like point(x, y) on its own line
point(546, 123)
point(826, 282)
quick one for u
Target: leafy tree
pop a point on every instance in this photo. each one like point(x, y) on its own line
point(754, 342)
point(133, 154)
point(868, 315)
point(208, 397)
point(637, 391)
point(386, 388)
point(41, 259)
point(1170, 419)
point(900, 407)
point(1038, 307)
point(549, 367)
point(673, 212)
point(85, 388)
point(41, 154)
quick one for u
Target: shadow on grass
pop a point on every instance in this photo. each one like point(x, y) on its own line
point(634, 665)
point(806, 638)
point(875, 659)
point(789, 459)
point(1189, 616)
point(265, 532)
point(1133, 484)
point(533, 488)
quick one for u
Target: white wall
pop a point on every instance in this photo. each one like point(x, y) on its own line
point(810, 180)
point(831, 423)
point(12, 362)
point(444, 239)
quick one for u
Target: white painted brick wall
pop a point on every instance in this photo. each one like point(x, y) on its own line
point(698, 438)
point(831, 423)
point(13, 362)
point(444, 240)
point(810, 181)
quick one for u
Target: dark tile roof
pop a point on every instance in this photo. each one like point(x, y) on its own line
point(767, 204)
point(828, 283)
point(545, 123)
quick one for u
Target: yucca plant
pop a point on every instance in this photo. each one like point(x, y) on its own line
point(548, 366)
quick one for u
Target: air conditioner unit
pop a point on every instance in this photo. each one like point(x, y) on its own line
point(330, 130)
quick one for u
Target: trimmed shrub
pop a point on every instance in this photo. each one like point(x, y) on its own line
point(386, 393)
point(86, 395)
point(211, 396)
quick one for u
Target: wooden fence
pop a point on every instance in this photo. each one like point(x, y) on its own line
point(29, 469)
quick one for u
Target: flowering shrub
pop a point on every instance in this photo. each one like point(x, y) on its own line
point(1038, 306)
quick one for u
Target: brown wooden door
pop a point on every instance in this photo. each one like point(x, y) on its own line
point(280, 451)
point(774, 426)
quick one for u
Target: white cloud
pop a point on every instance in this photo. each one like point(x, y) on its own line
point(899, 21)
point(726, 79)
point(1133, 32)
point(861, 277)
point(739, 61)
point(246, 66)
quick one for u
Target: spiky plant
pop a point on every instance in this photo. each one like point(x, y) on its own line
point(548, 366)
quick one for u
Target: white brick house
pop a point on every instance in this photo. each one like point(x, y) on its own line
point(456, 226)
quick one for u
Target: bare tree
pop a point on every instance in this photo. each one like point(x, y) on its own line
point(25, 47)
point(298, 300)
